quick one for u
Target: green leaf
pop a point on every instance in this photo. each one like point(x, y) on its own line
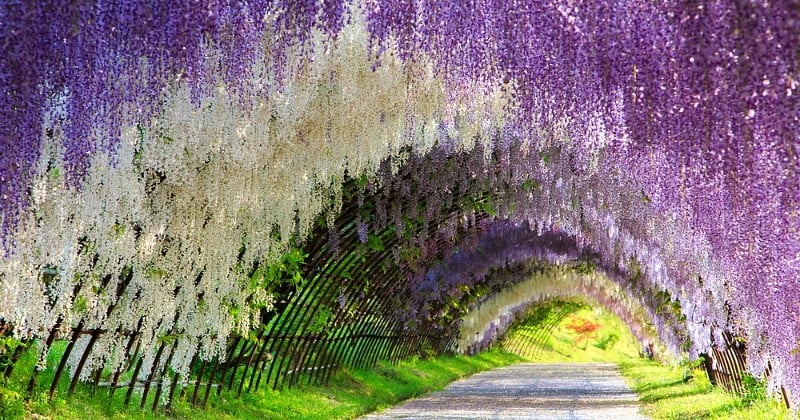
point(362, 181)
point(80, 304)
point(375, 243)
point(487, 208)
point(167, 339)
point(530, 185)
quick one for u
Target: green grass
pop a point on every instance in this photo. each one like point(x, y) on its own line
point(666, 392)
point(353, 393)
point(348, 395)
point(563, 345)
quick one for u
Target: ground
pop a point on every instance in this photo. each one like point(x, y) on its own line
point(529, 391)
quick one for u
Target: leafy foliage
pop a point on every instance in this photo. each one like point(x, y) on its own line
point(659, 139)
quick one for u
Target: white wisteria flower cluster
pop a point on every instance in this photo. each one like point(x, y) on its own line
point(202, 192)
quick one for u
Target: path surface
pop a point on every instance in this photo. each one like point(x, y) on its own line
point(529, 391)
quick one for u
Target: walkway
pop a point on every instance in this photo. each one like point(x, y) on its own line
point(529, 391)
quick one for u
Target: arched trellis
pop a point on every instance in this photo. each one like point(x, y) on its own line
point(726, 365)
point(739, 183)
point(347, 311)
point(356, 302)
point(529, 338)
point(361, 295)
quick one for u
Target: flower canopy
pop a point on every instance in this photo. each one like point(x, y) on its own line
point(174, 145)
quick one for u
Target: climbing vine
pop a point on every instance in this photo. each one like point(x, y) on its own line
point(161, 156)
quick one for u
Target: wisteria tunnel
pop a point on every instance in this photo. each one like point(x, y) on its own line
point(207, 195)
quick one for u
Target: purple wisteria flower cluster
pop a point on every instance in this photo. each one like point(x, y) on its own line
point(659, 140)
point(96, 67)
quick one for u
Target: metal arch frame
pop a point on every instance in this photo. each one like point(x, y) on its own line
point(312, 353)
point(317, 301)
point(340, 336)
point(378, 334)
point(312, 345)
point(320, 257)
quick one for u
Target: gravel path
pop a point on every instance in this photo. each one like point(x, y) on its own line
point(528, 391)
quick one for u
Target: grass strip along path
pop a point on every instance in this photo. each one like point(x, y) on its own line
point(683, 393)
point(351, 394)
point(665, 392)
point(348, 395)
point(679, 391)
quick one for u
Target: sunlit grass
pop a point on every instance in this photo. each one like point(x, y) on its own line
point(349, 393)
point(665, 392)
point(563, 345)
point(353, 393)
point(669, 393)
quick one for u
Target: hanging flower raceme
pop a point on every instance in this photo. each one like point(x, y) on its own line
point(166, 146)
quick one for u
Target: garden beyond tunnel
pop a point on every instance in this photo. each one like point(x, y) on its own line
point(208, 196)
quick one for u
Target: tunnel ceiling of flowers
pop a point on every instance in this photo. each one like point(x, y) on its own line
point(304, 185)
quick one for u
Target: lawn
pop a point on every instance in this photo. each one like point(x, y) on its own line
point(668, 392)
point(349, 393)
point(665, 391)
